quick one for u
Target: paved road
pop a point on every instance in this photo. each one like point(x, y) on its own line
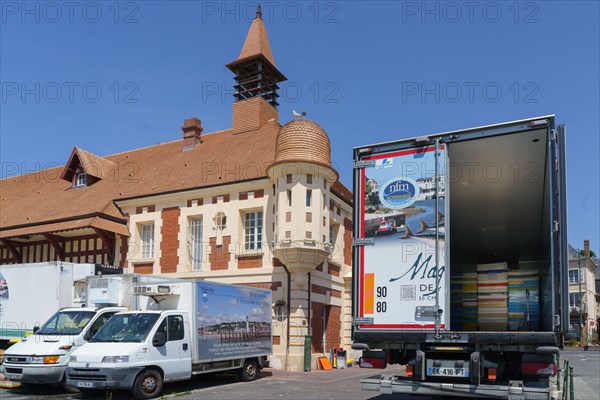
point(333, 385)
point(586, 373)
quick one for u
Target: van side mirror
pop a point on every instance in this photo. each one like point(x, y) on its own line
point(36, 328)
point(159, 339)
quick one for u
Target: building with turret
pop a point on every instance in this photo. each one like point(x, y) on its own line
point(257, 204)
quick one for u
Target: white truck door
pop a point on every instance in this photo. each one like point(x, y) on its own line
point(175, 356)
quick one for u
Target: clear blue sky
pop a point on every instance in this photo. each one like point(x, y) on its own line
point(365, 71)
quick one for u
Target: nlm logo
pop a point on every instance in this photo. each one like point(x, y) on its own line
point(399, 193)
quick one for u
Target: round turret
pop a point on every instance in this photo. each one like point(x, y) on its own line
point(303, 140)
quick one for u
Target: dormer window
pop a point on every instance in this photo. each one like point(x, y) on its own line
point(81, 179)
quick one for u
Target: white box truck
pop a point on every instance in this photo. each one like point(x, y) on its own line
point(183, 329)
point(471, 291)
point(42, 358)
point(31, 293)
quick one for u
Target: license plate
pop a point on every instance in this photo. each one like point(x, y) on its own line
point(85, 384)
point(458, 372)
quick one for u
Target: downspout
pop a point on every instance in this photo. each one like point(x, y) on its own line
point(289, 309)
point(309, 304)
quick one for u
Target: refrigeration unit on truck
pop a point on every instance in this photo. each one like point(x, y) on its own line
point(182, 329)
point(31, 293)
point(42, 358)
point(470, 294)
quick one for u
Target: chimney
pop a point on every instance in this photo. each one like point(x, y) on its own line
point(191, 133)
point(586, 248)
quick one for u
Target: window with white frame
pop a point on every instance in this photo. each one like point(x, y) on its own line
point(81, 179)
point(574, 300)
point(147, 233)
point(332, 234)
point(574, 276)
point(253, 228)
point(195, 243)
point(308, 197)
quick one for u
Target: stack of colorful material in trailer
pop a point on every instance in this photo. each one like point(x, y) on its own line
point(492, 297)
point(469, 299)
point(524, 299)
point(456, 300)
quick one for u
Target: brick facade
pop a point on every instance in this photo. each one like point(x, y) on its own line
point(143, 268)
point(347, 241)
point(332, 329)
point(219, 254)
point(245, 262)
point(169, 243)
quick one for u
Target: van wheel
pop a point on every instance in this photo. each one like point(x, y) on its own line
point(147, 385)
point(249, 371)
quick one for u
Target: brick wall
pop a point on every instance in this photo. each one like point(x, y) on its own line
point(333, 327)
point(263, 285)
point(245, 262)
point(219, 254)
point(143, 268)
point(170, 243)
point(347, 241)
point(251, 114)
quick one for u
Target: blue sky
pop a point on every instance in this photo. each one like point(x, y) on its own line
point(110, 78)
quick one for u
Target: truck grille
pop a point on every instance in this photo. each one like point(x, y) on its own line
point(86, 375)
point(17, 359)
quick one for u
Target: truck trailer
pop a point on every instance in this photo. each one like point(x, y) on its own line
point(471, 293)
point(182, 329)
point(31, 293)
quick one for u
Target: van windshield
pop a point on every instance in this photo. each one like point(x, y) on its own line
point(66, 323)
point(126, 328)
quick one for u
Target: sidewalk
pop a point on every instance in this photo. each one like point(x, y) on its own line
point(581, 348)
point(329, 375)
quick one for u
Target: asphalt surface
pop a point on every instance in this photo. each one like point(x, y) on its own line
point(334, 385)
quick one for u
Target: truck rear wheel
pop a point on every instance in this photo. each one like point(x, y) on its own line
point(249, 371)
point(147, 385)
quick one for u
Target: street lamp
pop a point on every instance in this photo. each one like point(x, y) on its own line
point(580, 299)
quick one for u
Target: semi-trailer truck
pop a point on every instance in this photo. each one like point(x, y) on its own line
point(181, 329)
point(471, 294)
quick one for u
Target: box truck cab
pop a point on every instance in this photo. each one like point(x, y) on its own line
point(42, 358)
point(227, 328)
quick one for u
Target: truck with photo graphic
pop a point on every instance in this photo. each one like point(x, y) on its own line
point(470, 292)
point(181, 329)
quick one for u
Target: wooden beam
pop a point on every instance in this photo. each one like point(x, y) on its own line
point(53, 240)
point(17, 255)
point(108, 243)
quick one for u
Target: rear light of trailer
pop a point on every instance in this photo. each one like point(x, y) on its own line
point(538, 368)
point(410, 370)
point(491, 374)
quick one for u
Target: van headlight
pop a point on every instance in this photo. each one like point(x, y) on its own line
point(44, 359)
point(115, 359)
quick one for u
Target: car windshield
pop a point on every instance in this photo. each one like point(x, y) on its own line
point(66, 323)
point(126, 328)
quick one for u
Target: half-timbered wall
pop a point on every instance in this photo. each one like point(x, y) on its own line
point(77, 249)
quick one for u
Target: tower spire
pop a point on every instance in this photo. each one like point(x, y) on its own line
point(258, 12)
point(255, 72)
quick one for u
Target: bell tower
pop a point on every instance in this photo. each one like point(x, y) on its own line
point(255, 72)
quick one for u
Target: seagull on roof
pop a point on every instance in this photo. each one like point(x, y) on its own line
point(297, 115)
